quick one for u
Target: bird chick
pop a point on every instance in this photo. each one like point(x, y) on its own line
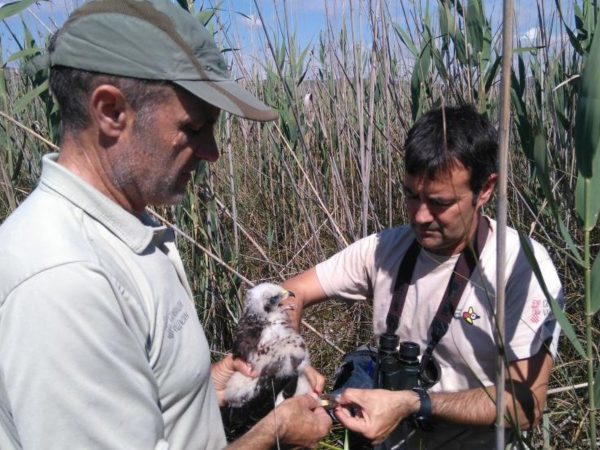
point(266, 339)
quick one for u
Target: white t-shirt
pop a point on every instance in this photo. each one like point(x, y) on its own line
point(467, 353)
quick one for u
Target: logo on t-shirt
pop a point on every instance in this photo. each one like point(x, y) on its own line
point(175, 319)
point(536, 311)
point(470, 316)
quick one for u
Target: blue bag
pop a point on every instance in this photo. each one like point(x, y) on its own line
point(357, 370)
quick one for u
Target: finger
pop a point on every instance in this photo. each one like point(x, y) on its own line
point(322, 429)
point(295, 313)
point(295, 318)
point(354, 423)
point(289, 306)
point(321, 412)
point(350, 396)
point(324, 426)
point(221, 371)
point(324, 419)
point(309, 401)
point(244, 368)
point(224, 363)
point(316, 380)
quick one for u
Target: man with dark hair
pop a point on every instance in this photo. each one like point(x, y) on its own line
point(100, 343)
point(433, 283)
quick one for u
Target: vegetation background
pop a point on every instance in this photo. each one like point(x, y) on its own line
point(286, 195)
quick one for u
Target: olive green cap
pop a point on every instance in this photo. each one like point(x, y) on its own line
point(153, 40)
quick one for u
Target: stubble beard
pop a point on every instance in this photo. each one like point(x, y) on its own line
point(145, 184)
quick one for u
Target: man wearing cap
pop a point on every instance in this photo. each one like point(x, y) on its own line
point(100, 345)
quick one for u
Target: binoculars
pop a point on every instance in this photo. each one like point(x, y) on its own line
point(400, 369)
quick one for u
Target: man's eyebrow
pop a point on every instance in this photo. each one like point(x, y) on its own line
point(444, 198)
point(202, 118)
point(204, 113)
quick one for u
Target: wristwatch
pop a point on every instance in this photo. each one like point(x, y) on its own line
point(424, 413)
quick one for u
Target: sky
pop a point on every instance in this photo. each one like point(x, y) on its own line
point(241, 18)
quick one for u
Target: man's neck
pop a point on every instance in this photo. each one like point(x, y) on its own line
point(83, 157)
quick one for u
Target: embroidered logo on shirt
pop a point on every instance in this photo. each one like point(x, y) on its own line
point(536, 311)
point(175, 319)
point(470, 316)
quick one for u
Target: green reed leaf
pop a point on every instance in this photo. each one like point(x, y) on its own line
point(26, 99)
point(475, 26)
point(559, 314)
point(587, 139)
point(596, 285)
point(597, 387)
point(12, 8)
point(406, 40)
point(542, 173)
point(587, 204)
point(587, 119)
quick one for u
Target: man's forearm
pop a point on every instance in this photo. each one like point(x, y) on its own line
point(525, 394)
point(261, 436)
point(472, 407)
point(478, 407)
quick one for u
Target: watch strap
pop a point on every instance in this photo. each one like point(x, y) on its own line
point(424, 412)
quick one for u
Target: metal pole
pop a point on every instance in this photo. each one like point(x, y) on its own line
point(507, 18)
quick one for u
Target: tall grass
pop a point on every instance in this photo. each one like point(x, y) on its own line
point(286, 195)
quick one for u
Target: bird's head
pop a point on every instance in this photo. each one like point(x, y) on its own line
point(264, 298)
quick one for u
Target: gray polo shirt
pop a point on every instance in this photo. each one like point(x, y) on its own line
point(100, 344)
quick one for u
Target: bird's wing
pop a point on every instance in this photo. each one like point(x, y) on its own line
point(248, 335)
point(281, 357)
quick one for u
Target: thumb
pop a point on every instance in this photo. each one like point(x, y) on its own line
point(350, 395)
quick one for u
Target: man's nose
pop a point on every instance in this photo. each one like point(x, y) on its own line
point(422, 213)
point(207, 149)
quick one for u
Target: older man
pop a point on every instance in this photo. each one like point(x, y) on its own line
point(433, 282)
point(100, 345)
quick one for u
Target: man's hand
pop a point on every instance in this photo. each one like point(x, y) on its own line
point(222, 371)
point(316, 380)
point(378, 412)
point(294, 307)
point(307, 291)
point(298, 421)
point(301, 421)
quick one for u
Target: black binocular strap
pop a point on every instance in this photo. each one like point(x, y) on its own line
point(467, 261)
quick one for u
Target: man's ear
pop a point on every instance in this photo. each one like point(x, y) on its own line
point(109, 110)
point(487, 190)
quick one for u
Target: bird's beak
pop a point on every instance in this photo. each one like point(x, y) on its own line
point(283, 295)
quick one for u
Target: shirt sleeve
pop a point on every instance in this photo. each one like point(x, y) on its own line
point(347, 274)
point(76, 375)
point(529, 319)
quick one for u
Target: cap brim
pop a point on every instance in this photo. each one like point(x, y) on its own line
point(231, 97)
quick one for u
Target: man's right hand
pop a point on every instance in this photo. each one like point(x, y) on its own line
point(307, 291)
point(378, 411)
point(301, 421)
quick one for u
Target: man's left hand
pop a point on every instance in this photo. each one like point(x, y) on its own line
point(223, 370)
